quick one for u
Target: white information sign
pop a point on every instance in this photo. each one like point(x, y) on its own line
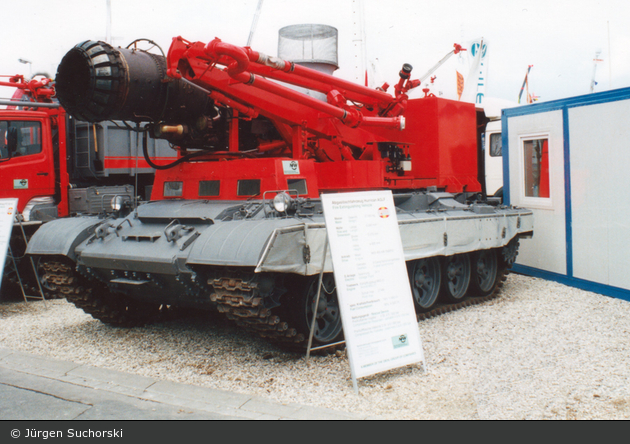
point(8, 208)
point(376, 304)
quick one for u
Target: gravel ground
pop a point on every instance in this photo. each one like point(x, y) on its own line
point(540, 351)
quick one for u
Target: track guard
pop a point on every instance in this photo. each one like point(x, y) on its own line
point(61, 237)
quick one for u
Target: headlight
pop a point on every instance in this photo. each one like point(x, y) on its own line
point(117, 203)
point(282, 202)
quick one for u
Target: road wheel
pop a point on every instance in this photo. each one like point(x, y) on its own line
point(425, 276)
point(486, 273)
point(455, 277)
point(328, 327)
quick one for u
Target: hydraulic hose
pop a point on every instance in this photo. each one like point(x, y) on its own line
point(145, 152)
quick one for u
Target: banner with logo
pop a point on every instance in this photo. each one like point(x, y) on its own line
point(377, 311)
point(8, 208)
point(475, 85)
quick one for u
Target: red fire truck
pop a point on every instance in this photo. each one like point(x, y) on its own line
point(57, 166)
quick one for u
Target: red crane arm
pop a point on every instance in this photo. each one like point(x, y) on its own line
point(244, 81)
point(36, 90)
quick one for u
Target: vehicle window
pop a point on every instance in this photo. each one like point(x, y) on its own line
point(496, 145)
point(173, 189)
point(4, 152)
point(29, 138)
point(298, 185)
point(248, 187)
point(209, 188)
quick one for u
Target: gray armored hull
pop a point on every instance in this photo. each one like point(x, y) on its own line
point(246, 260)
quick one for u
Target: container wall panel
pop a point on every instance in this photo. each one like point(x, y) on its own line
point(600, 191)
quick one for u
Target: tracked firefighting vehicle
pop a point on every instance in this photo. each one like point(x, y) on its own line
point(235, 224)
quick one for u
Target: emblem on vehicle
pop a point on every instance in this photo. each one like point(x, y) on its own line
point(20, 184)
point(290, 167)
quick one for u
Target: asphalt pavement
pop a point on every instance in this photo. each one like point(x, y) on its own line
point(38, 388)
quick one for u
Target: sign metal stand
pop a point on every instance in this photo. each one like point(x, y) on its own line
point(39, 284)
point(9, 214)
point(309, 347)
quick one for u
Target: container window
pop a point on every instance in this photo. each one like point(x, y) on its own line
point(248, 187)
point(496, 145)
point(209, 188)
point(536, 164)
point(298, 185)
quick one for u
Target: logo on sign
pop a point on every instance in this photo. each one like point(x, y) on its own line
point(383, 212)
point(400, 341)
point(474, 49)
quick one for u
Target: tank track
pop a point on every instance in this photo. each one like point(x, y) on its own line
point(58, 278)
point(26, 275)
point(240, 301)
point(238, 298)
point(111, 308)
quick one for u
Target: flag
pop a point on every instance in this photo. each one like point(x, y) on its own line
point(525, 84)
point(460, 84)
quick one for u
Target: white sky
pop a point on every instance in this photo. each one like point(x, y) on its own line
point(558, 37)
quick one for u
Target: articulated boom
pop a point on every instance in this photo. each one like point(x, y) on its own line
point(197, 62)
